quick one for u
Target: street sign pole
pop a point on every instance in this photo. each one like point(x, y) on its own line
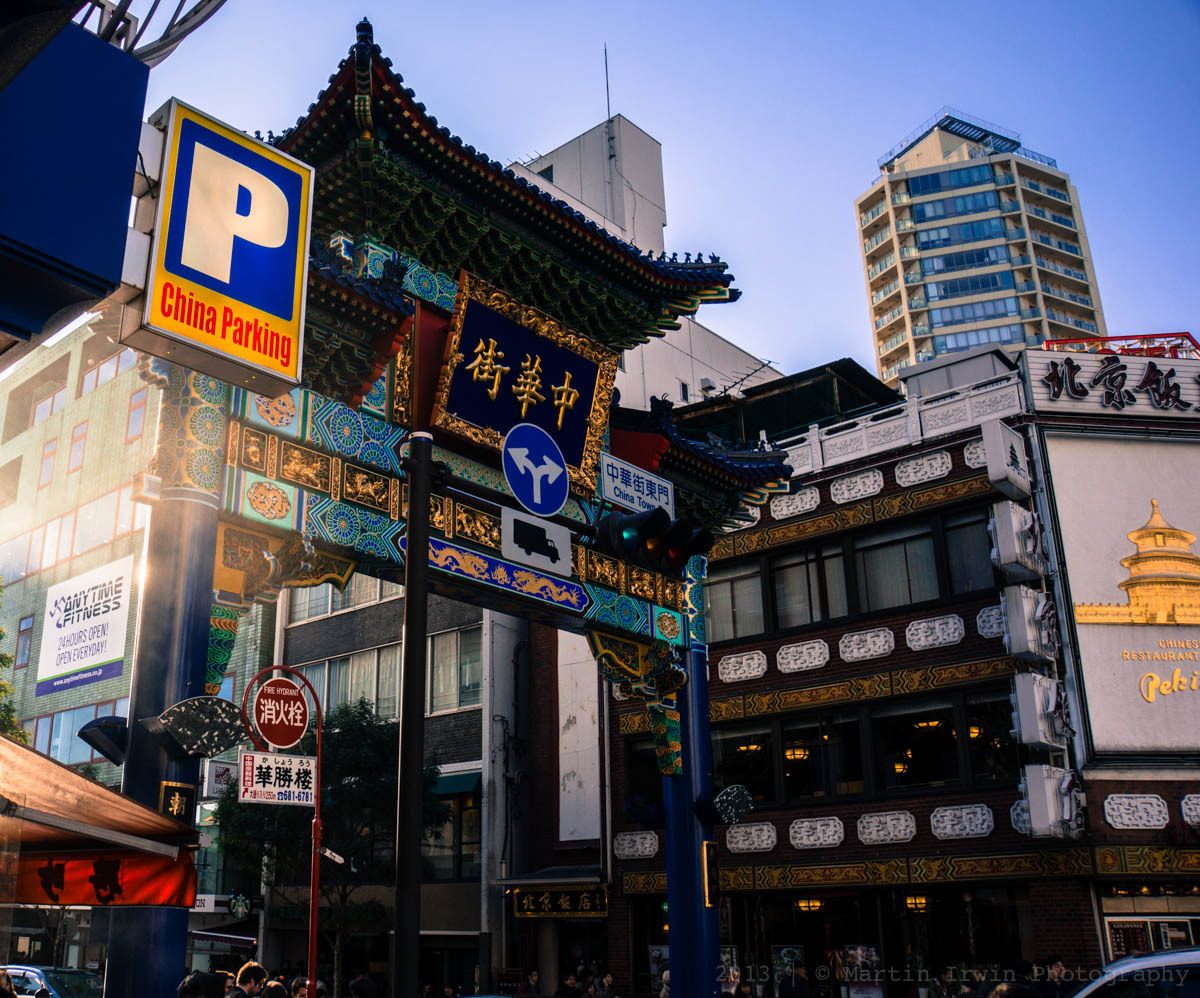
point(314, 890)
point(410, 781)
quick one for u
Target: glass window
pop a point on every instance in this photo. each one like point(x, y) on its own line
point(471, 838)
point(456, 669)
point(339, 683)
point(41, 740)
point(822, 756)
point(803, 760)
point(50, 544)
point(843, 745)
point(126, 360)
point(78, 439)
point(643, 777)
point(744, 755)
point(733, 597)
point(12, 558)
point(438, 847)
point(137, 415)
point(95, 522)
point(315, 674)
point(994, 308)
point(46, 472)
point(24, 642)
point(964, 260)
point(452, 850)
point(809, 586)
point(973, 285)
point(66, 534)
point(962, 232)
point(389, 681)
point(35, 549)
point(390, 589)
point(359, 590)
point(993, 752)
point(968, 552)
point(915, 744)
point(312, 601)
point(361, 682)
point(896, 567)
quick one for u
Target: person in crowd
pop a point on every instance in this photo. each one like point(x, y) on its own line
point(1052, 983)
point(569, 987)
point(6, 985)
point(251, 979)
point(795, 982)
point(363, 987)
point(299, 987)
point(604, 986)
point(273, 989)
point(198, 984)
point(666, 984)
point(529, 986)
point(1018, 988)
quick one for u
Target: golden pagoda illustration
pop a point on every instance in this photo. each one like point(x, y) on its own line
point(1164, 579)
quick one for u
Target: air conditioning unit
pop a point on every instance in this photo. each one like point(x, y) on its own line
point(1030, 623)
point(707, 386)
point(1056, 802)
point(1017, 549)
point(1039, 711)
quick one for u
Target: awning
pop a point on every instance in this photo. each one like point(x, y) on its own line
point(243, 933)
point(81, 843)
point(457, 783)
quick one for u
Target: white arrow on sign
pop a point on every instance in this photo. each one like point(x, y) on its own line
point(547, 471)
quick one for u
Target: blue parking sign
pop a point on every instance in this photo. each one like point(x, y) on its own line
point(535, 469)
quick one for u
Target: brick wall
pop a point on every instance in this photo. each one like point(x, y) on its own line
point(1063, 921)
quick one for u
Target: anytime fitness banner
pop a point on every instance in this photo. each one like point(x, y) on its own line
point(83, 630)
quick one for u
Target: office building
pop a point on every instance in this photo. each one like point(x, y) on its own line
point(968, 238)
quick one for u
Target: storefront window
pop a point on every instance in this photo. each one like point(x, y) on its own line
point(745, 756)
point(915, 744)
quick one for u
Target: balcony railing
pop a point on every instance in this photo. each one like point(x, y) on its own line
point(868, 217)
point(1005, 180)
point(1063, 293)
point(1058, 268)
point(1021, 261)
point(890, 344)
point(901, 197)
point(1009, 207)
point(921, 329)
point(1024, 287)
point(1068, 320)
point(905, 225)
point(881, 266)
point(1053, 192)
point(909, 252)
point(1031, 313)
point(1050, 216)
point(879, 237)
point(1013, 234)
point(901, 426)
point(914, 277)
point(891, 315)
point(888, 289)
point(918, 301)
point(1060, 244)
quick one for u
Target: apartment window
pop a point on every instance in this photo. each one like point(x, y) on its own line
point(24, 642)
point(964, 260)
point(932, 183)
point(964, 204)
point(104, 370)
point(949, 342)
point(896, 567)
point(683, 391)
point(360, 590)
point(991, 750)
point(56, 735)
point(915, 744)
point(372, 675)
point(456, 669)
point(136, 420)
point(974, 285)
point(46, 469)
point(963, 232)
point(47, 406)
point(452, 850)
point(643, 778)
point(968, 552)
point(78, 439)
point(809, 586)
point(822, 756)
point(317, 601)
point(734, 602)
point(744, 755)
point(994, 308)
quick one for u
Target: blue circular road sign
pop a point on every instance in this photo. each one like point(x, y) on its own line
point(535, 469)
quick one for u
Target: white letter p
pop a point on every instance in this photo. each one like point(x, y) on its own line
point(213, 221)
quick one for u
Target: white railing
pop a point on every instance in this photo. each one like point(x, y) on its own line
point(903, 425)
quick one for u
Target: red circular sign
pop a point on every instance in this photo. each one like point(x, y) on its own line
point(281, 712)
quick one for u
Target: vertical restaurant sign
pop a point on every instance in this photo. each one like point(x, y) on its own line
point(507, 363)
point(83, 629)
point(228, 268)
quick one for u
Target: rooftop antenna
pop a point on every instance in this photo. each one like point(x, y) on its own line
point(608, 133)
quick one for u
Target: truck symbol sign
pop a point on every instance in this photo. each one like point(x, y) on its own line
point(531, 538)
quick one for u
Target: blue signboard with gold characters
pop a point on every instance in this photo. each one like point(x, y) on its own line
point(507, 363)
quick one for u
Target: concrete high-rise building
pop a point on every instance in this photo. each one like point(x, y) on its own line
point(968, 238)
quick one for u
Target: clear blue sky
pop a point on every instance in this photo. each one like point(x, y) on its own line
point(772, 115)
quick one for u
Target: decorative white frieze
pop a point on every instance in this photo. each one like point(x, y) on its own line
point(757, 836)
point(966, 821)
point(635, 845)
point(816, 833)
point(935, 632)
point(738, 668)
point(923, 468)
point(883, 827)
point(945, 417)
point(848, 488)
point(800, 458)
point(1190, 808)
point(803, 656)
point(858, 646)
point(1136, 811)
point(975, 454)
point(1018, 816)
point(804, 501)
point(990, 621)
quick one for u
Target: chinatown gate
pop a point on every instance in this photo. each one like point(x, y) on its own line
point(445, 296)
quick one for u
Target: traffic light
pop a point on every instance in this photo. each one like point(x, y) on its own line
point(651, 540)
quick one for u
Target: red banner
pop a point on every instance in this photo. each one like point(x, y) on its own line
point(108, 878)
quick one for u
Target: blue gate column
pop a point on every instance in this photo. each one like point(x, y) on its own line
point(694, 929)
point(147, 946)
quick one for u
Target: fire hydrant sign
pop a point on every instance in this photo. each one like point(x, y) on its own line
point(270, 778)
point(281, 712)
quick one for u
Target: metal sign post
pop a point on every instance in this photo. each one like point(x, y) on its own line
point(315, 879)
